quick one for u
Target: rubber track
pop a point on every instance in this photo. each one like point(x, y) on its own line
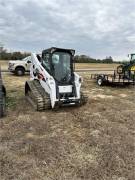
point(84, 97)
point(37, 96)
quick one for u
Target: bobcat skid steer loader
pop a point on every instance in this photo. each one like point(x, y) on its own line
point(53, 82)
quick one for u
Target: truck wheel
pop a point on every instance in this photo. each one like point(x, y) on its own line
point(20, 71)
point(2, 105)
point(100, 81)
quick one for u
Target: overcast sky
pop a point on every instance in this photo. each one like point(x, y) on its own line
point(98, 28)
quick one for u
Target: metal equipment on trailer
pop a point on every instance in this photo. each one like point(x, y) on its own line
point(127, 66)
point(53, 80)
point(126, 78)
point(2, 97)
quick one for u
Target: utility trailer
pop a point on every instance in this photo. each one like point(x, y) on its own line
point(127, 78)
point(2, 97)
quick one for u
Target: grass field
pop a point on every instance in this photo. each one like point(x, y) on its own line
point(92, 142)
point(4, 65)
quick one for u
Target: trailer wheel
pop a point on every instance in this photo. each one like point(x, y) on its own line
point(2, 105)
point(100, 81)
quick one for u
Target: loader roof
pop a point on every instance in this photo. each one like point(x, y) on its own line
point(53, 49)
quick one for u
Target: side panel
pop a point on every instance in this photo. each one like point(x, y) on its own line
point(77, 84)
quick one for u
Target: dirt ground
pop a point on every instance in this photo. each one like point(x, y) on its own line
point(92, 142)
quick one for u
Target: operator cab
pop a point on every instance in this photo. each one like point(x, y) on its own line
point(132, 58)
point(59, 63)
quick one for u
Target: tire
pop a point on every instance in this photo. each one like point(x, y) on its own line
point(2, 105)
point(120, 69)
point(84, 98)
point(100, 81)
point(19, 71)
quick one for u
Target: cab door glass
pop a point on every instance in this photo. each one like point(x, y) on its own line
point(61, 66)
point(46, 62)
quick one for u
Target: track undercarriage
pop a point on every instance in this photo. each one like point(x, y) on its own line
point(36, 95)
point(40, 100)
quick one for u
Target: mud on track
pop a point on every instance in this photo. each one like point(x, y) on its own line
point(94, 142)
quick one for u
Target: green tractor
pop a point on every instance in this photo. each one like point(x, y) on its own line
point(128, 67)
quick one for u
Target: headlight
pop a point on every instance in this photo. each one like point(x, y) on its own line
point(11, 64)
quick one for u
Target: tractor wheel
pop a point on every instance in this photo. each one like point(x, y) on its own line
point(19, 71)
point(100, 81)
point(2, 105)
point(120, 69)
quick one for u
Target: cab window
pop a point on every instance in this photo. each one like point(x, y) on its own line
point(133, 57)
point(45, 61)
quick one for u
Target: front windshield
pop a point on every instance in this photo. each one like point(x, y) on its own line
point(25, 59)
point(61, 66)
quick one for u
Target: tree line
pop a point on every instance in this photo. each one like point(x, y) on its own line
point(5, 55)
point(87, 59)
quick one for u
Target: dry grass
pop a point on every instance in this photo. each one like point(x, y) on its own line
point(95, 66)
point(4, 65)
point(92, 142)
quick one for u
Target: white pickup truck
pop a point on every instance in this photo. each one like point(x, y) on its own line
point(19, 67)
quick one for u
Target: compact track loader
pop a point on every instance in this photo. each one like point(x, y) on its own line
point(2, 97)
point(53, 82)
